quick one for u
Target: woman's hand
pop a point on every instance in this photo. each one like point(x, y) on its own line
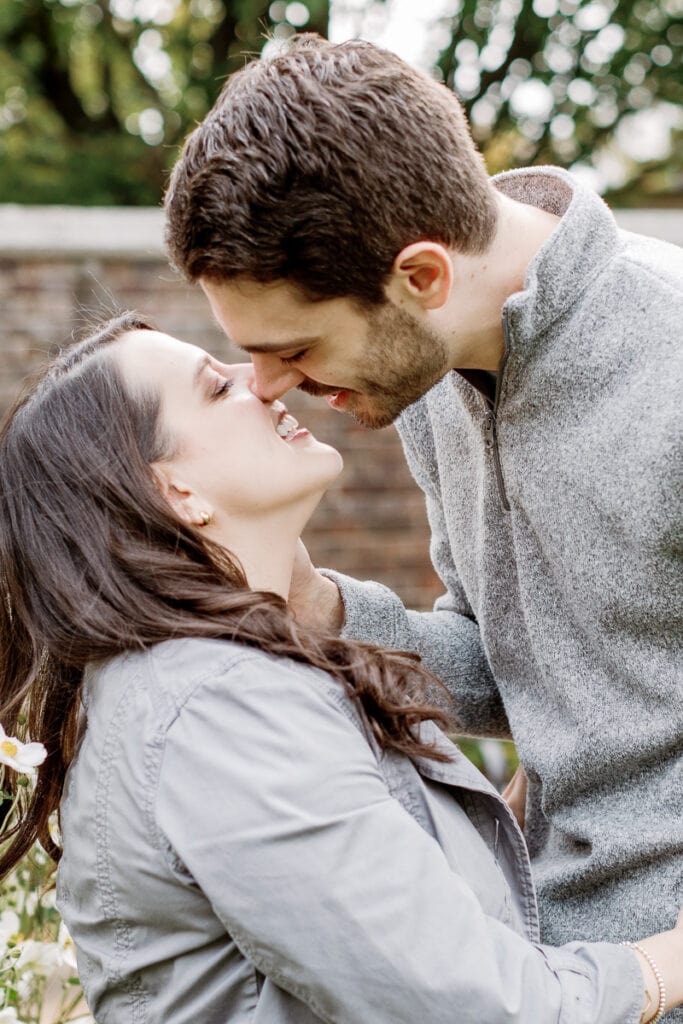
point(515, 795)
point(314, 599)
point(666, 949)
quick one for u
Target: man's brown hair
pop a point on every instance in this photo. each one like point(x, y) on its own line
point(318, 166)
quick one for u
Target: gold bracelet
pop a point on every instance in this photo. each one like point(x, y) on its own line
point(658, 978)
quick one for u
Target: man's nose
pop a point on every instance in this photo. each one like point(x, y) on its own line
point(272, 377)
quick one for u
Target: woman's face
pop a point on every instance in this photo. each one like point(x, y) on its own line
point(240, 456)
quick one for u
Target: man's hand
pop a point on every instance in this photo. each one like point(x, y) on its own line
point(314, 599)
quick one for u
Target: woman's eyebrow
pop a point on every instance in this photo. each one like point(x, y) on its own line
point(202, 364)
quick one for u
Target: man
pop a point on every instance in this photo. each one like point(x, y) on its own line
point(341, 223)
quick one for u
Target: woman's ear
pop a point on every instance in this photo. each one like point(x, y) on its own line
point(187, 505)
point(422, 272)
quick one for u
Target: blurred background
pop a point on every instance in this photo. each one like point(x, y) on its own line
point(97, 95)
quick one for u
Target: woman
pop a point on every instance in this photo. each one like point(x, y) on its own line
point(259, 824)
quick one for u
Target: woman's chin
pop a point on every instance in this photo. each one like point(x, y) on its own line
point(336, 465)
point(339, 462)
point(331, 461)
point(328, 470)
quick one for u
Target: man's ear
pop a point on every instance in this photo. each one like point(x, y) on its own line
point(186, 504)
point(423, 273)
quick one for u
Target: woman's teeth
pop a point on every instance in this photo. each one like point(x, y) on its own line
point(287, 427)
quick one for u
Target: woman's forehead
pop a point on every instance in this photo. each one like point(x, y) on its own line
point(153, 354)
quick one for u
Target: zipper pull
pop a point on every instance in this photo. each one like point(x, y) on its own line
point(489, 430)
point(491, 442)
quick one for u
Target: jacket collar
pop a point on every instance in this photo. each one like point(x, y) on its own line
point(457, 771)
point(585, 240)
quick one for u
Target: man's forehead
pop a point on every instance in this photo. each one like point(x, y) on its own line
point(271, 322)
point(246, 294)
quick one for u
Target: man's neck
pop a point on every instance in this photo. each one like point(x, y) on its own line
point(471, 320)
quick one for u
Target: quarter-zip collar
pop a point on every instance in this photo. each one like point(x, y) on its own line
point(556, 276)
point(568, 260)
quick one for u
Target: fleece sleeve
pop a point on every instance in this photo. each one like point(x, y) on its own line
point(447, 638)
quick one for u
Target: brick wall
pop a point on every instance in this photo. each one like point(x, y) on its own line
point(370, 524)
point(61, 267)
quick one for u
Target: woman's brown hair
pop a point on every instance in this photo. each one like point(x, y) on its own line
point(93, 562)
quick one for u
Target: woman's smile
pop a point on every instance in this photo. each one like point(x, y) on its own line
point(286, 426)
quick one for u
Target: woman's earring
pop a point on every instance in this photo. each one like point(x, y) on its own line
point(205, 518)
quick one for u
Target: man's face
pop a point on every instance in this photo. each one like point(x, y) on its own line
point(369, 364)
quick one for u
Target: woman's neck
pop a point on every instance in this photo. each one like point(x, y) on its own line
point(276, 575)
point(265, 548)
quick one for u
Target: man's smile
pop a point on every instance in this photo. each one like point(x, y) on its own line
point(312, 387)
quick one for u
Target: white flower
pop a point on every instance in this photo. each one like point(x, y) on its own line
point(67, 949)
point(24, 987)
point(9, 1016)
point(9, 926)
point(41, 958)
point(22, 757)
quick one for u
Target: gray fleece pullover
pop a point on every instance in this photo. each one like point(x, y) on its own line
point(555, 520)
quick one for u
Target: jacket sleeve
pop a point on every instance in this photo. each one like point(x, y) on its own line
point(272, 799)
point(448, 638)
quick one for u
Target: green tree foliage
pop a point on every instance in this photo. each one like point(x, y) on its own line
point(95, 95)
point(596, 82)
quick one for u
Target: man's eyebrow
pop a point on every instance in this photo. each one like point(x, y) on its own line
point(202, 364)
point(282, 346)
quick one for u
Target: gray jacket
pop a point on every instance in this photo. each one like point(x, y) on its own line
point(236, 849)
point(555, 512)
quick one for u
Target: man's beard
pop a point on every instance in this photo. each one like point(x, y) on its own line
point(403, 360)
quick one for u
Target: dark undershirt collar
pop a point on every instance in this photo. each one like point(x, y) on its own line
point(483, 380)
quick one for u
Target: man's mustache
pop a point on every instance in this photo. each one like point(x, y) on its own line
point(311, 387)
point(365, 387)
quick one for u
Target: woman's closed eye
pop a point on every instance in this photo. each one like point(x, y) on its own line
point(220, 387)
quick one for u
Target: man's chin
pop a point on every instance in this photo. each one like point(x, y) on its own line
point(371, 415)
